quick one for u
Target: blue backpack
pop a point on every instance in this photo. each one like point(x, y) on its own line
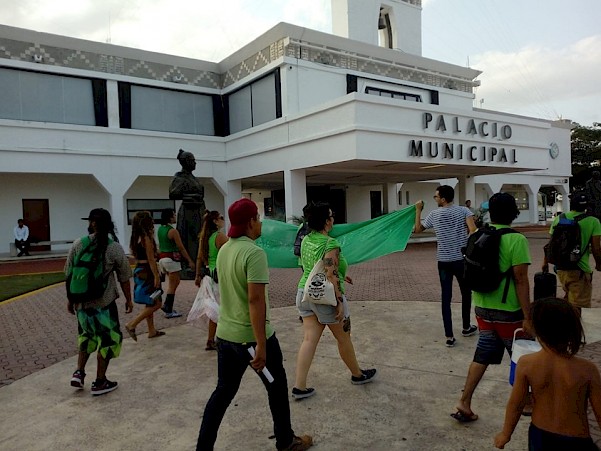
point(563, 249)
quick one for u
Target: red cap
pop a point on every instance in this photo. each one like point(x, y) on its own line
point(240, 213)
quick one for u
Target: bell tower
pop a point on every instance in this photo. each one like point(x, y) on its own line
point(394, 24)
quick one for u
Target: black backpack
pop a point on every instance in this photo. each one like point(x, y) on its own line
point(302, 232)
point(85, 280)
point(481, 261)
point(563, 250)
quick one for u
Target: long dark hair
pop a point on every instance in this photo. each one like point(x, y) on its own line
point(142, 226)
point(208, 228)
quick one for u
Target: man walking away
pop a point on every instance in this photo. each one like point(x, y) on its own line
point(21, 233)
point(577, 282)
point(98, 319)
point(244, 322)
point(452, 224)
point(499, 315)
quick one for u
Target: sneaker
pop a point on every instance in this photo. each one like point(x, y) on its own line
point(77, 379)
point(450, 342)
point(367, 376)
point(102, 387)
point(297, 393)
point(469, 331)
point(172, 314)
point(300, 443)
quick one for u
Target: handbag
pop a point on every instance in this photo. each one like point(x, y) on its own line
point(318, 288)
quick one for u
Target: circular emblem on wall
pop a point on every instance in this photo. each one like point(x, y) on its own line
point(554, 150)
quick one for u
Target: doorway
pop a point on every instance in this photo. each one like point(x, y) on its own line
point(36, 215)
point(375, 203)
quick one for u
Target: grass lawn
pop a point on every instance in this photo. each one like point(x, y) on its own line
point(16, 285)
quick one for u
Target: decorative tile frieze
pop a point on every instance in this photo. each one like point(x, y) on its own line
point(77, 59)
point(315, 53)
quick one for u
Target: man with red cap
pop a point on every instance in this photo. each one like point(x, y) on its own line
point(244, 322)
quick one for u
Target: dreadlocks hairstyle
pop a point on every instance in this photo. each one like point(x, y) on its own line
point(142, 225)
point(208, 228)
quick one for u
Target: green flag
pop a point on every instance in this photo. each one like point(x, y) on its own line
point(360, 241)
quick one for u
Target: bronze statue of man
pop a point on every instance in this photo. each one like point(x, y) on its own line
point(184, 186)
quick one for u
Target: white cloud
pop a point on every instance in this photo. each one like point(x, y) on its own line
point(544, 82)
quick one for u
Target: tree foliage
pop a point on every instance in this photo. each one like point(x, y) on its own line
point(586, 152)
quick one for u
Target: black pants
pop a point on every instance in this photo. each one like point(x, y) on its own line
point(22, 246)
point(446, 272)
point(232, 361)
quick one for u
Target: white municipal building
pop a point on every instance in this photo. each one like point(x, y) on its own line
point(358, 118)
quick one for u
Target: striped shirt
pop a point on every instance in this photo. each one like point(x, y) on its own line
point(451, 231)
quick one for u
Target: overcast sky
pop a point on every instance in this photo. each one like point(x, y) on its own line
point(539, 58)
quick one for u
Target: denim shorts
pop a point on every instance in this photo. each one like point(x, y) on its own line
point(496, 334)
point(326, 314)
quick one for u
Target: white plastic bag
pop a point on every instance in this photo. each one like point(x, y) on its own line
point(206, 304)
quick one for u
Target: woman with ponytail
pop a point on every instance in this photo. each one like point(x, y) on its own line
point(211, 239)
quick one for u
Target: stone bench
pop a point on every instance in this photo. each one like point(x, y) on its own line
point(13, 246)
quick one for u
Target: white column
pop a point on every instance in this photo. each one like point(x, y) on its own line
point(116, 183)
point(295, 192)
point(466, 189)
point(391, 197)
point(232, 194)
point(532, 189)
point(112, 98)
point(493, 186)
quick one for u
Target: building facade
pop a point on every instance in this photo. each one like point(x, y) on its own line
point(358, 118)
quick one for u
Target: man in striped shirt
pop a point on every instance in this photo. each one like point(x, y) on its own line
point(452, 224)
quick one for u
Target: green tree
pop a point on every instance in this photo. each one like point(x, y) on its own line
point(586, 152)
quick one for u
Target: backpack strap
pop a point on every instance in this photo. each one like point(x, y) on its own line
point(509, 272)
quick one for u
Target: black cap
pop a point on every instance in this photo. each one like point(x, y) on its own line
point(98, 214)
point(579, 197)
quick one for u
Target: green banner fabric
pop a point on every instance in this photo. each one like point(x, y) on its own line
point(360, 241)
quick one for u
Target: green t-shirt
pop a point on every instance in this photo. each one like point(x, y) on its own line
point(213, 250)
point(589, 227)
point(513, 251)
point(240, 262)
point(166, 244)
point(313, 247)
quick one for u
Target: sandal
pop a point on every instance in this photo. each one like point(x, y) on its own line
point(211, 346)
point(132, 333)
point(159, 333)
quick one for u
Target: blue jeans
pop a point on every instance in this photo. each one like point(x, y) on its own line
point(446, 271)
point(232, 361)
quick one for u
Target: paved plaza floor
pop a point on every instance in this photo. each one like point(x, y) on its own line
point(164, 383)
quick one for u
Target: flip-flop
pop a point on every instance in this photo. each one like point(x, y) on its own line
point(463, 417)
point(132, 333)
point(159, 333)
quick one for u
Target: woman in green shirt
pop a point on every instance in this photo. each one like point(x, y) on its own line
point(171, 251)
point(315, 246)
point(210, 240)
